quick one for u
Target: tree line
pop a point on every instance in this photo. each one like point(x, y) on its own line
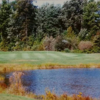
point(75, 26)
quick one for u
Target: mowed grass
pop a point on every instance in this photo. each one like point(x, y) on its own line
point(13, 97)
point(44, 57)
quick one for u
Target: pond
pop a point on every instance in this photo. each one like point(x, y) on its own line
point(70, 81)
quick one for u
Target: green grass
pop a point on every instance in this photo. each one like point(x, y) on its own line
point(13, 97)
point(42, 57)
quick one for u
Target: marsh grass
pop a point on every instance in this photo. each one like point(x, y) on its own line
point(52, 96)
point(21, 67)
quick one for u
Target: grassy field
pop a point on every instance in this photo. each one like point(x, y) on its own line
point(13, 97)
point(42, 57)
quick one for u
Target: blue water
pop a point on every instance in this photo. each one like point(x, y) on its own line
point(70, 81)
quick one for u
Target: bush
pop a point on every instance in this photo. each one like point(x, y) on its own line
point(41, 46)
point(95, 50)
point(73, 42)
point(77, 51)
point(18, 47)
point(34, 47)
point(66, 50)
point(70, 32)
point(85, 45)
point(26, 48)
point(37, 46)
point(82, 34)
point(49, 43)
point(96, 41)
point(4, 46)
point(61, 44)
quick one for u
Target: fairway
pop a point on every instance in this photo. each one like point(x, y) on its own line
point(44, 57)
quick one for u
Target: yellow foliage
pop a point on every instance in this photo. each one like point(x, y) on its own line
point(70, 32)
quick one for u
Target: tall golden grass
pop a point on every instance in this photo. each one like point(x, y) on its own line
point(15, 81)
point(52, 96)
point(20, 67)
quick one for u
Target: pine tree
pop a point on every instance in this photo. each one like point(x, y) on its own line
point(71, 15)
point(47, 20)
point(90, 19)
point(25, 18)
point(5, 12)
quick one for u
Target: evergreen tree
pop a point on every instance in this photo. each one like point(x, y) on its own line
point(25, 18)
point(90, 18)
point(47, 20)
point(71, 15)
point(5, 12)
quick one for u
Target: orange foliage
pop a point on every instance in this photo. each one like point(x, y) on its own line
point(83, 45)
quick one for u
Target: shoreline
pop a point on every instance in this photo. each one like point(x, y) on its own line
point(23, 67)
point(4, 68)
point(7, 68)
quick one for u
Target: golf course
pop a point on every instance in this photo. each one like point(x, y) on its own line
point(49, 49)
point(30, 60)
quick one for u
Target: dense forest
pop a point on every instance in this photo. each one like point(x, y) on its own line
point(73, 27)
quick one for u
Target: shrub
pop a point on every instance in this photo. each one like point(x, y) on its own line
point(70, 32)
point(77, 51)
point(18, 46)
point(85, 45)
point(34, 47)
point(4, 45)
point(40, 46)
point(66, 50)
point(95, 49)
point(10, 46)
point(61, 43)
point(73, 42)
point(96, 41)
point(27, 48)
point(82, 33)
point(49, 43)
point(37, 46)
